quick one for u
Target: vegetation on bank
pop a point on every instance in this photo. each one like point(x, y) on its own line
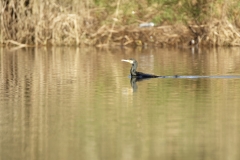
point(116, 22)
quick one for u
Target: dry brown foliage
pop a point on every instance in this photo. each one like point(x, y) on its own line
point(217, 33)
point(47, 24)
point(30, 24)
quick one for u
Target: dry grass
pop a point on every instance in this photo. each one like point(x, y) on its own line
point(31, 23)
point(217, 33)
point(46, 24)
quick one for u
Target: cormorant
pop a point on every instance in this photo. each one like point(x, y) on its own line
point(133, 70)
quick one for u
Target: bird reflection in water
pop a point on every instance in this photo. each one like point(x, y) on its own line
point(134, 81)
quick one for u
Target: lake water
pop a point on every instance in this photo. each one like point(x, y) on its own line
point(78, 103)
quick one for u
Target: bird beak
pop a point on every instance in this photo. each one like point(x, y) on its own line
point(126, 60)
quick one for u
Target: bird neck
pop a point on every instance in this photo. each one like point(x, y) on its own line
point(134, 69)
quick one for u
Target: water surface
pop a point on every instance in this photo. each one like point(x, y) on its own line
point(78, 103)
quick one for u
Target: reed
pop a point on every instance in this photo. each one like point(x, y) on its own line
point(104, 23)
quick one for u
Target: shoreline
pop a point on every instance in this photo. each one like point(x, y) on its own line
point(157, 36)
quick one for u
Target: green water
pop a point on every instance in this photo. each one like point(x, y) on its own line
point(78, 103)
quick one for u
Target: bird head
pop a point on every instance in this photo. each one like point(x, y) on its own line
point(129, 60)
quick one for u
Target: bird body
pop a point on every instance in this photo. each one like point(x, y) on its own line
point(135, 73)
point(144, 75)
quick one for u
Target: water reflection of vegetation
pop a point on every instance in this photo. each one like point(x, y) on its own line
point(68, 102)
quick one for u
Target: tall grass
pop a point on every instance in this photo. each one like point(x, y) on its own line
point(96, 22)
point(43, 22)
